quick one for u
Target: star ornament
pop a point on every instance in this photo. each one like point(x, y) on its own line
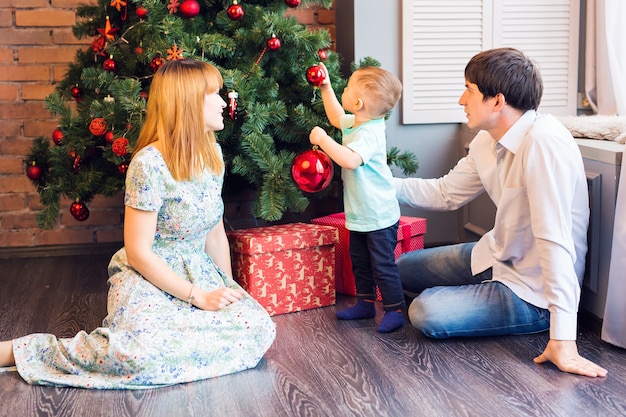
point(108, 31)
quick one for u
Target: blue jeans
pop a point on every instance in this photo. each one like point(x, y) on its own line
point(452, 302)
point(373, 264)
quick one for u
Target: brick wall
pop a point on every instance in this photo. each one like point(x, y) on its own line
point(36, 46)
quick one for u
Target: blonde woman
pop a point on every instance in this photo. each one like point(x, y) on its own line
point(174, 313)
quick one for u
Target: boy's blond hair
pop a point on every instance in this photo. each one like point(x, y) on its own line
point(380, 89)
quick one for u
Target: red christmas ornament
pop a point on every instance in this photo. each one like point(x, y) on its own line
point(122, 168)
point(157, 63)
point(98, 126)
point(79, 210)
point(120, 146)
point(98, 44)
point(235, 11)
point(315, 75)
point(312, 170)
point(190, 9)
point(141, 12)
point(232, 104)
point(76, 164)
point(57, 136)
point(76, 93)
point(273, 43)
point(33, 171)
point(109, 137)
point(292, 3)
point(109, 64)
point(323, 54)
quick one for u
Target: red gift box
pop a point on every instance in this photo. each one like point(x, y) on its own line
point(286, 268)
point(411, 232)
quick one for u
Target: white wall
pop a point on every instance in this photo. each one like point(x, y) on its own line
point(373, 28)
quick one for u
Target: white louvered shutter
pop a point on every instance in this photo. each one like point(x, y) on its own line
point(439, 37)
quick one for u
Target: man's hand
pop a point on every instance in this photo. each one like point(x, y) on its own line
point(564, 354)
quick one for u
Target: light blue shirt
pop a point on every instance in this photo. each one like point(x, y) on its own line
point(369, 196)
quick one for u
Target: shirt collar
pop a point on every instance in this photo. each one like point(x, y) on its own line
point(513, 137)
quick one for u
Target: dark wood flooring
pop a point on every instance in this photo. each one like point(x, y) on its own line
point(318, 366)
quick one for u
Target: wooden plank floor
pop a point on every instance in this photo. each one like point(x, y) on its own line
point(318, 366)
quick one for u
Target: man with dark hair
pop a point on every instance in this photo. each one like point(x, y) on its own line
point(524, 275)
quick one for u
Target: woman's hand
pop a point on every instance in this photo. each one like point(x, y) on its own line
point(217, 299)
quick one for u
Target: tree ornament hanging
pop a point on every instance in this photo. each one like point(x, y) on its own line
point(173, 6)
point(312, 170)
point(109, 64)
point(120, 146)
point(33, 171)
point(315, 75)
point(235, 11)
point(57, 137)
point(190, 9)
point(273, 43)
point(108, 31)
point(98, 43)
point(174, 53)
point(156, 63)
point(121, 6)
point(109, 137)
point(76, 92)
point(79, 210)
point(322, 54)
point(109, 99)
point(122, 168)
point(233, 96)
point(141, 12)
point(98, 126)
point(292, 3)
point(76, 163)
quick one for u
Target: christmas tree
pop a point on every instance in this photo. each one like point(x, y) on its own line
point(268, 61)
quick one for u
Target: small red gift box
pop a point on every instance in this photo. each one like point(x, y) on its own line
point(288, 267)
point(411, 232)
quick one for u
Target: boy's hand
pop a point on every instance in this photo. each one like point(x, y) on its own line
point(317, 136)
point(326, 82)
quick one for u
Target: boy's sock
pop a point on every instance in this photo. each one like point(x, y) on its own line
point(391, 321)
point(363, 309)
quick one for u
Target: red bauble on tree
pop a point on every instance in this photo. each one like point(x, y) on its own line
point(33, 171)
point(76, 93)
point(109, 64)
point(292, 3)
point(235, 11)
point(312, 170)
point(57, 136)
point(98, 126)
point(190, 9)
point(141, 12)
point(315, 75)
point(273, 43)
point(323, 54)
point(156, 63)
point(122, 168)
point(79, 210)
point(109, 137)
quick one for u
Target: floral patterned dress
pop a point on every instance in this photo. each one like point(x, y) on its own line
point(149, 338)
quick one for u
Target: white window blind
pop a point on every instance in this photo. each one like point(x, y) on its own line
point(440, 37)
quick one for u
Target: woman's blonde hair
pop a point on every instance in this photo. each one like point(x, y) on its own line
point(175, 118)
